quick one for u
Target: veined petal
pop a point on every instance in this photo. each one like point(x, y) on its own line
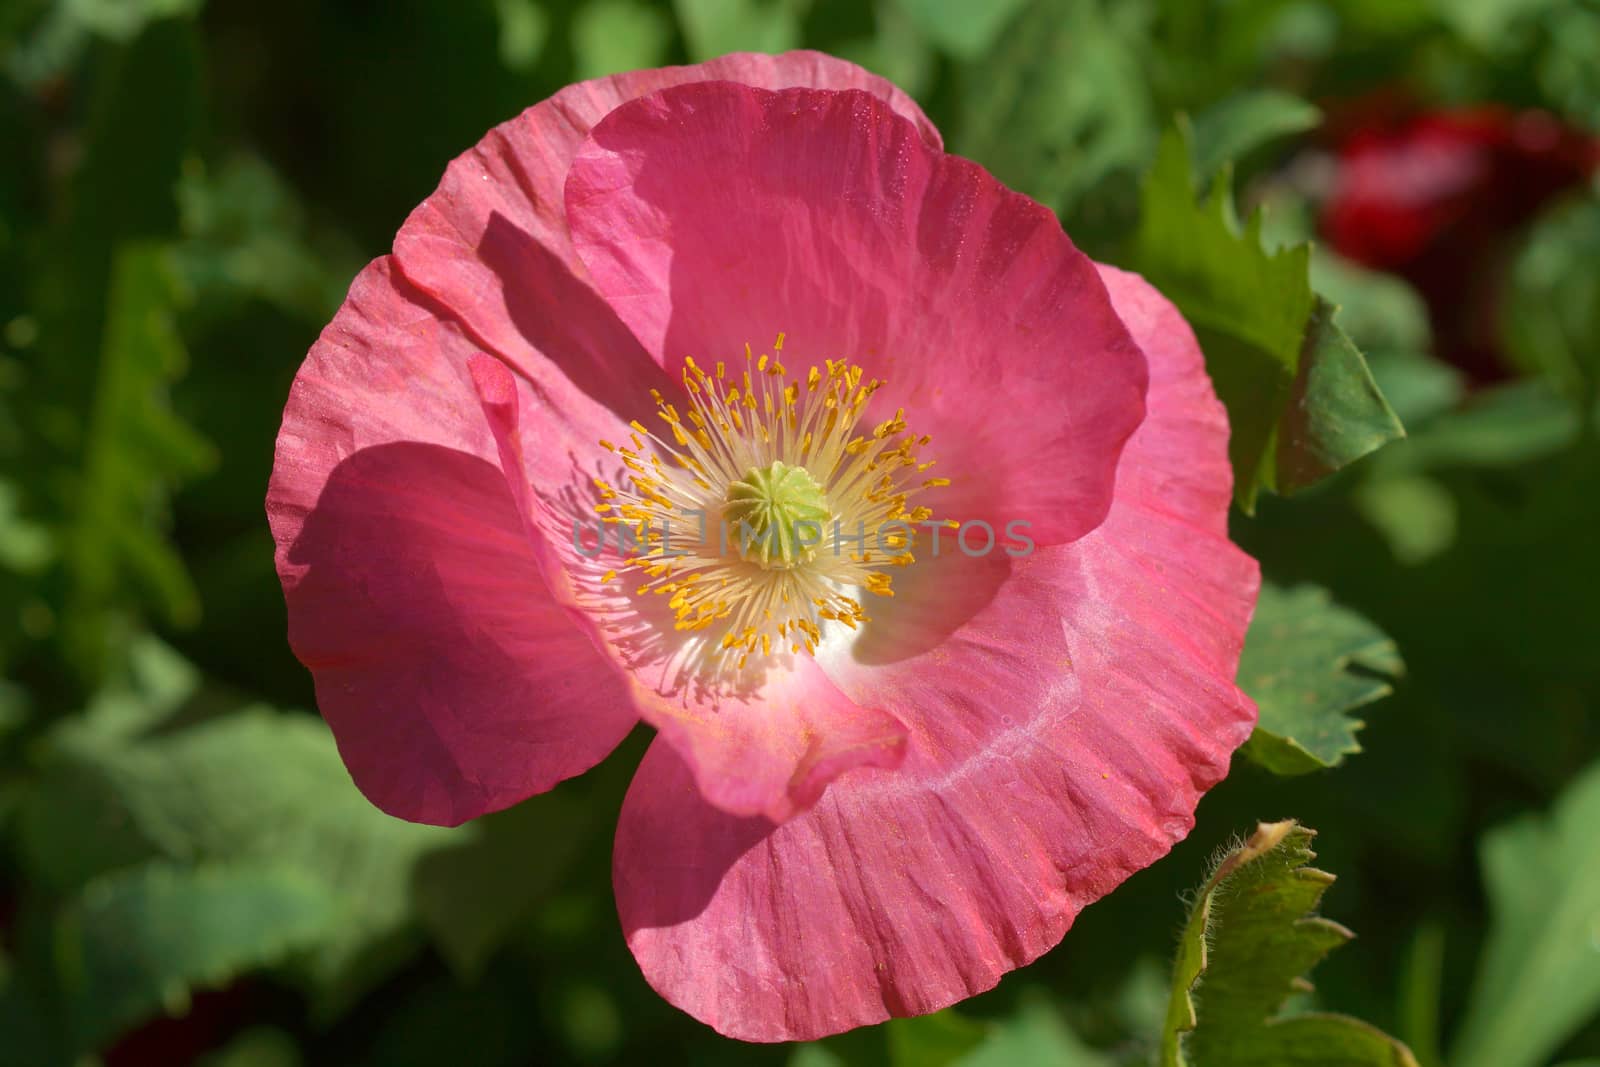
point(490, 256)
point(768, 746)
point(773, 753)
point(1062, 725)
point(491, 242)
point(454, 681)
point(714, 215)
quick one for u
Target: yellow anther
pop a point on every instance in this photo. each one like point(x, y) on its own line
point(864, 477)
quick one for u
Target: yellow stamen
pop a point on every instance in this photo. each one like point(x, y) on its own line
point(765, 448)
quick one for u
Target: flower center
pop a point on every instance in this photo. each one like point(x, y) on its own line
point(767, 509)
point(778, 512)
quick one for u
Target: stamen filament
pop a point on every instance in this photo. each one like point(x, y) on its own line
point(756, 454)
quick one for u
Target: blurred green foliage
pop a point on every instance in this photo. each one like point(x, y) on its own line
point(1537, 980)
point(188, 190)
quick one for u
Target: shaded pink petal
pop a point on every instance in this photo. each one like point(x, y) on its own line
point(453, 680)
point(491, 242)
point(490, 249)
point(771, 754)
point(1060, 738)
point(715, 215)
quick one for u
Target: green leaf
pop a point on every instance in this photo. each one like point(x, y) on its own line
point(256, 1047)
point(1251, 935)
point(1301, 401)
point(1506, 426)
point(1307, 663)
point(102, 449)
point(259, 1046)
point(1420, 979)
point(524, 27)
point(13, 713)
point(1485, 22)
point(1565, 40)
point(960, 27)
point(149, 688)
point(896, 49)
point(1538, 979)
point(1381, 312)
point(1419, 387)
point(1035, 1035)
point(1415, 514)
point(472, 894)
point(122, 20)
point(17, 18)
point(937, 1040)
point(715, 27)
point(138, 941)
point(254, 787)
point(1335, 413)
point(1232, 128)
point(135, 448)
point(61, 37)
point(244, 234)
point(1060, 106)
point(942, 1039)
point(1552, 315)
point(25, 546)
point(611, 36)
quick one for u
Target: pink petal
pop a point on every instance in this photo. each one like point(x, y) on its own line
point(490, 247)
point(1059, 740)
point(715, 215)
point(491, 242)
point(423, 498)
point(454, 681)
point(772, 753)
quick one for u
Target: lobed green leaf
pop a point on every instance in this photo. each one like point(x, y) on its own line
point(1308, 663)
point(1251, 935)
point(1301, 400)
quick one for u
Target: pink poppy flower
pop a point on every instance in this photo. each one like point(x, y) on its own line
point(886, 771)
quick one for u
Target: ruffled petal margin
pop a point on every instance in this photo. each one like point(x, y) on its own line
point(1059, 740)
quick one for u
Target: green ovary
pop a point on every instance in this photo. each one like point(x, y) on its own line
point(776, 515)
